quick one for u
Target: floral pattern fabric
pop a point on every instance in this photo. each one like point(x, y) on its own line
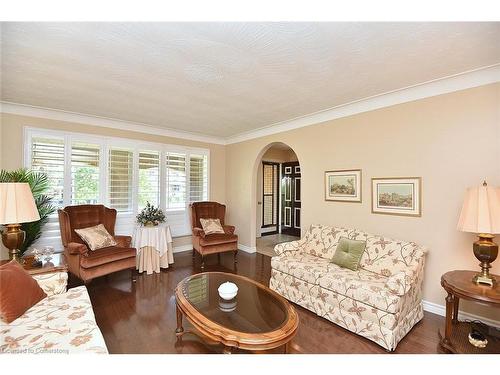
point(211, 226)
point(61, 323)
point(52, 283)
point(96, 237)
point(381, 301)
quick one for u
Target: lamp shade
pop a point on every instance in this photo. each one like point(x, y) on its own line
point(481, 210)
point(17, 204)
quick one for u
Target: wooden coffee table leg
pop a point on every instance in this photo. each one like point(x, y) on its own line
point(285, 348)
point(179, 330)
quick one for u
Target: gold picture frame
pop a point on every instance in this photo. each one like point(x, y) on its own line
point(400, 196)
point(343, 185)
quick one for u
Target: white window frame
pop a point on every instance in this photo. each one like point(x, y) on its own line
point(105, 143)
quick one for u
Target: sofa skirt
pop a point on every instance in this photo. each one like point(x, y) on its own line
point(383, 328)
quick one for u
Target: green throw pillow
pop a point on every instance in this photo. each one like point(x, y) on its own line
point(348, 253)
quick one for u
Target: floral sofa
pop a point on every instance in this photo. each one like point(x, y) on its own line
point(61, 323)
point(381, 301)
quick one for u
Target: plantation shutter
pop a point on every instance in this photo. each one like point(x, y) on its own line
point(120, 179)
point(198, 178)
point(149, 178)
point(47, 156)
point(85, 173)
point(176, 181)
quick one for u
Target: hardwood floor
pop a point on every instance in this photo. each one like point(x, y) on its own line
point(140, 317)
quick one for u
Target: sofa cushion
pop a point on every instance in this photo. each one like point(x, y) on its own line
point(361, 285)
point(348, 253)
point(106, 255)
point(304, 267)
point(96, 237)
point(387, 256)
point(18, 291)
point(322, 240)
point(382, 255)
point(62, 323)
point(217, 239)
point(211, 226)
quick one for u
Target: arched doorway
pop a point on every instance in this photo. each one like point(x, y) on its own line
point(278, 206)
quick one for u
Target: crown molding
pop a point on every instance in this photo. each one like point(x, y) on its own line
point(58, 115)
point(462, 81)
point(456, 82)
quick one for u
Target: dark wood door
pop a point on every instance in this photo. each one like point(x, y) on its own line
point(290, 198)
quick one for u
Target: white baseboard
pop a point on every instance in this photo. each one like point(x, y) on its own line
point(182, 248)
point(462, 315)
point(247, 249)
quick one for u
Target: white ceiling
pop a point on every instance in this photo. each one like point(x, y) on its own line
point(224, 79)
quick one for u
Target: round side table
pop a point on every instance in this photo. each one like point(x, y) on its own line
point(459, 285)
point(154, 248)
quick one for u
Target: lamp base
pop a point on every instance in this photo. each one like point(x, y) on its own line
point(486, 251)
point(13, 238)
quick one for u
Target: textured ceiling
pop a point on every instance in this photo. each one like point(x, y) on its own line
point(224, 79)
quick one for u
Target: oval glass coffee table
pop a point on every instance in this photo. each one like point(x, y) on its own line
point(257, 319)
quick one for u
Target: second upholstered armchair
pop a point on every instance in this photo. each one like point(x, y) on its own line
point(216, 243)
point(84, 263)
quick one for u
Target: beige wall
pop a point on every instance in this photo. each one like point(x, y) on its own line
point(11, 149)
point(452, 141)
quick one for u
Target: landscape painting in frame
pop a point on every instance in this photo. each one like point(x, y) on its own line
point(396, 196)
point(343, 186)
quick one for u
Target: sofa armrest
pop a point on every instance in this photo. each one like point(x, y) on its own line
point(52, 283)
point(75, 248)
point(288, 248)
point(228, 229)
point(403, 281)
point(198, 232)
point(400, 283)
point(123, 241)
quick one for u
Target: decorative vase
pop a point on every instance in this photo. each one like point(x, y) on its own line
point(228, 290)
point(150, 224)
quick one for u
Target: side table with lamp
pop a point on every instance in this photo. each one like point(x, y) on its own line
point(481, 215)
point(17, 206)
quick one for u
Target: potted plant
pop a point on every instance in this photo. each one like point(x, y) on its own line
point(150, 216)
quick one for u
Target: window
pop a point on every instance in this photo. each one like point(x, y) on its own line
point(149, 178)
point(198, 178)
point(47, 156)
point(121, 173)
point(176, 181)
point(120, 179)
point(85, 173)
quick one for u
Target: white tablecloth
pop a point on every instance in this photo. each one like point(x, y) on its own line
point(154, 248)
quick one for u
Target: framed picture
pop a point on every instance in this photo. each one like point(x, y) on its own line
point(343, 185)
point(397, 196)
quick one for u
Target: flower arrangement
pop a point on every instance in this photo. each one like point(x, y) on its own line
point(150, 216)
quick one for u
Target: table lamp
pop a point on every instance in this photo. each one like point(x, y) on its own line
point(17, 205)
point(481, 215)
